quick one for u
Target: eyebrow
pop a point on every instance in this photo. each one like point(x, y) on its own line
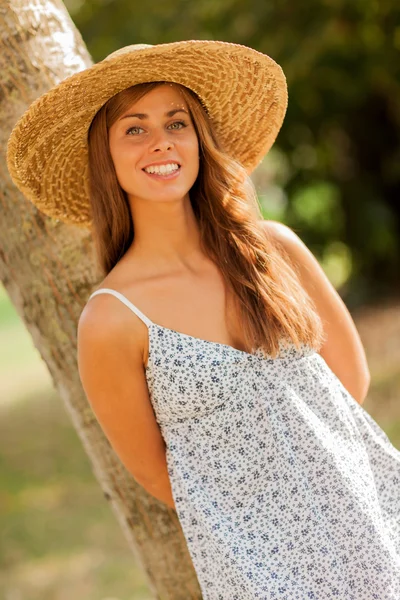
point(142, 116)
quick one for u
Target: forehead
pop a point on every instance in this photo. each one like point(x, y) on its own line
point(163, 96)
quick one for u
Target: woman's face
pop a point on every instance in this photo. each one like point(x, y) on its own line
point(149, 134)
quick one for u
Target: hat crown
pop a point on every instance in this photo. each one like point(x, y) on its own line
point(127, 49)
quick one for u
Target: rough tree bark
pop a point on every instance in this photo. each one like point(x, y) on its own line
point(48, 270)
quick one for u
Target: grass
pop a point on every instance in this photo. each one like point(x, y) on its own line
point(60, 539)
point(22, 370)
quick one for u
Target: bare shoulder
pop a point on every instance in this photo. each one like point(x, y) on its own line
point(106, 323)
point(311, 274)
point(281, 233)
point(294, 248)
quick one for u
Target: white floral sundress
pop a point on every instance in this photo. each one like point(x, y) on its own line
point(285, 487)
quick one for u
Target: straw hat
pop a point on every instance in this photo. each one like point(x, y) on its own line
point(243, 91)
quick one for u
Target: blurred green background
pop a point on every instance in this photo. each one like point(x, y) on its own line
point(333, 176)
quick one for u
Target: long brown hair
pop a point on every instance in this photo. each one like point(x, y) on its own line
point(261, 279)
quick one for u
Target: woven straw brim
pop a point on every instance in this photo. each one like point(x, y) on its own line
point(243, 90)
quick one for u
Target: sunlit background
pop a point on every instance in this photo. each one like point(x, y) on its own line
point(333, 176)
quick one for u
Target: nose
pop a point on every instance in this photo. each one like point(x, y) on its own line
point(160, 142)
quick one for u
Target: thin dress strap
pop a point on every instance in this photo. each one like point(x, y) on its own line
point(127, 303)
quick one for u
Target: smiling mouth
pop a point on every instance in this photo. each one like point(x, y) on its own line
point(170, 175)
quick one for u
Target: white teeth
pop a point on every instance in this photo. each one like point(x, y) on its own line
point(163, 169)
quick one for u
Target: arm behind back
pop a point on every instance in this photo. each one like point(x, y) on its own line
point(112, 374)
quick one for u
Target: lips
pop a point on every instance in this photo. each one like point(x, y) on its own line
point(164, 176)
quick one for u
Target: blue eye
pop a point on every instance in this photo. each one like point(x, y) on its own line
point(182, 123)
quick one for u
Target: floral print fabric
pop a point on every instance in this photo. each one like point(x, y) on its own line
point(285, 487)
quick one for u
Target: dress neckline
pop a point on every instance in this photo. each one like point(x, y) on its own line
point(259, 353)
point(288, 350)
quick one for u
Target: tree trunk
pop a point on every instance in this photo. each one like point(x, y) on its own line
point(48, 270)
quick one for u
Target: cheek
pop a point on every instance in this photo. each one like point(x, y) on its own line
point(124, 160)
point(192, 150)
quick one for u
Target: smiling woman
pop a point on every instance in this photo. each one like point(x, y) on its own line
point(210, 186)
point(212, 385)
point(131, 145)
point(139, 154)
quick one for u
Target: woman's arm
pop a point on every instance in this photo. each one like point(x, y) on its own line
point(343, 350)
point(110, 361)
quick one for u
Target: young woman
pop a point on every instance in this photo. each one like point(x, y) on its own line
point(220, 362)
